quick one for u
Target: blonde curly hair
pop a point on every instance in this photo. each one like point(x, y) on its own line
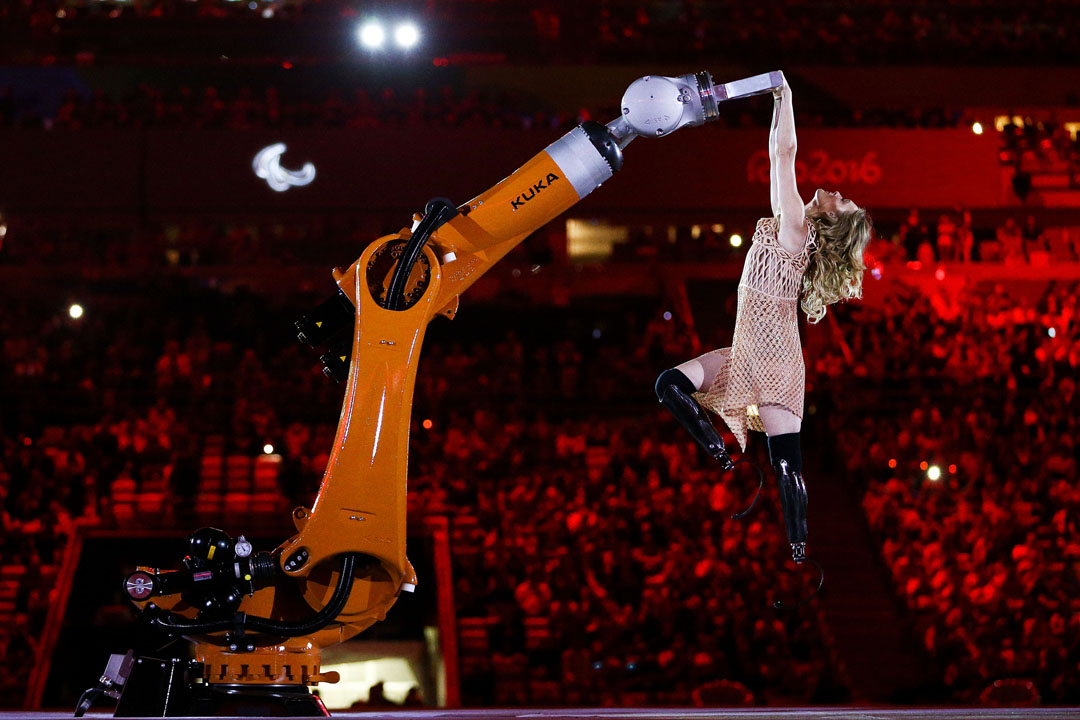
point(836, 267)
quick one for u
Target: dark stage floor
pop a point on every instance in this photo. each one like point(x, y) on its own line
point(679, 714)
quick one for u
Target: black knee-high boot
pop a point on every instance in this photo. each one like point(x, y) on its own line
point(786, 460)
point(675, 392)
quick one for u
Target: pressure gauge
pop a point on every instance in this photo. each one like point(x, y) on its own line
point(243, 547)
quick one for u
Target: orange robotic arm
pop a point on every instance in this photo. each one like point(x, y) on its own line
point(262, 619)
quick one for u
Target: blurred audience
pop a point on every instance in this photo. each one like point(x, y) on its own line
point(572, 553)
point(988, 31)
point(970, 487)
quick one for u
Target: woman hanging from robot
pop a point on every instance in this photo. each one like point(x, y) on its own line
point(809, 254)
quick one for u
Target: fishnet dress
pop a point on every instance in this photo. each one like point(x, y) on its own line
point(764, 365)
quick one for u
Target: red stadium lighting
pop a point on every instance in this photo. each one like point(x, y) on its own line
point(892, 462)
point(952, 469)
point(427, 424)
point(924, 465)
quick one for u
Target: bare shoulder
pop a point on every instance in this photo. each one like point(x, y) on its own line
point(792, 233)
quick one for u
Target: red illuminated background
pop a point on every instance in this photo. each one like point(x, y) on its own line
point(149, 383)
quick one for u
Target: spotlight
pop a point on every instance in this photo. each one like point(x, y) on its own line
point(268, 449)
point(933, 473)
point(427, 424)
point(892, 462)
point(75, 311)
point(406, 35)
point(1052, 332)
point(667, 315)
point(371, 35)
point(736, 240)
point(977, 128)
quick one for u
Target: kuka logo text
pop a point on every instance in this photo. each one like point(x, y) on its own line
point(532, 192)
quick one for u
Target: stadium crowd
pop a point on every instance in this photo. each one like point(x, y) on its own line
point(146, 397)
point(928, 237)
point(559, 450)
point(246, 107)
point(970, 490)
point(985, 31)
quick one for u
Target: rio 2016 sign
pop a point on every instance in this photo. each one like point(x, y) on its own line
point(820, 168)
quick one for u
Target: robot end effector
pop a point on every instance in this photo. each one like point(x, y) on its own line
point(655, 105)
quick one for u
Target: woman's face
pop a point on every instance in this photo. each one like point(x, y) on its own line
point(832, 202)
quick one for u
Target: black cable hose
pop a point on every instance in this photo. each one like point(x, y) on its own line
point(320, 619)
point(433, 219)
point(240, 621)
point(761, 484)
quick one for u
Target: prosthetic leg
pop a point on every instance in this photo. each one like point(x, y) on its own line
point(793, 503)
point(675, 392)
point(786, 457)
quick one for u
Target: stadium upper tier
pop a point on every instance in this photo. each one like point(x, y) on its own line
point(833, 33)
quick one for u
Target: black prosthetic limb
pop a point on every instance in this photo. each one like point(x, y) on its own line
point(675, 392)
point(785, 454)
point(793, 504)
point(786, 459)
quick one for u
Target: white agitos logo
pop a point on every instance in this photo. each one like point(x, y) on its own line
point(267, 165)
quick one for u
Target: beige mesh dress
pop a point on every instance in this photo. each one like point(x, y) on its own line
point(764, 365)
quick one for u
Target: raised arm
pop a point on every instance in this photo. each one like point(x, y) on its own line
point(774, 200)
point(785, 193)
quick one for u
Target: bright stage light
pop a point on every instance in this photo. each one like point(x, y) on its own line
point(934, 473)
point(371, 35)
point(977, 128)
point(736, 240)
point(268, 449)
point(406, 35)
point(75, 311)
